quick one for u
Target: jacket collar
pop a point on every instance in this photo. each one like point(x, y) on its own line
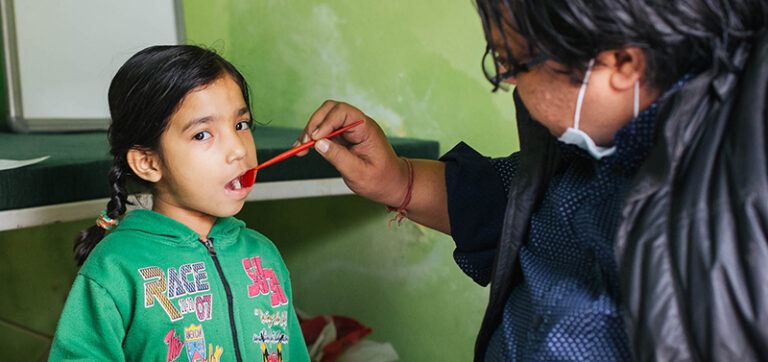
point(681, 112)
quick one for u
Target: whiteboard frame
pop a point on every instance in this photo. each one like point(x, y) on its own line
point(16, 120)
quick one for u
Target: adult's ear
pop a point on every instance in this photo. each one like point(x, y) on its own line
point(627, 66)
point(145, 164)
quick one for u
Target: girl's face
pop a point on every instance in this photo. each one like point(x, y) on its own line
point(204, 151)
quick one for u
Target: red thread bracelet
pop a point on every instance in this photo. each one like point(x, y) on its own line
point(401, 213)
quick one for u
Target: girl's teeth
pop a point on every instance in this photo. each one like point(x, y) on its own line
point(236, 184)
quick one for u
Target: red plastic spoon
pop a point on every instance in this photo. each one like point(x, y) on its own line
point(250, 176)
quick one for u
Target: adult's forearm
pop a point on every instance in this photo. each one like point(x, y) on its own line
point(429, 201)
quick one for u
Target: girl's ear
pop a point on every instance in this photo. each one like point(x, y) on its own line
point(145, 164)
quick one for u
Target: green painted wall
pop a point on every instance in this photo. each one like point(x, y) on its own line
point(412, 66)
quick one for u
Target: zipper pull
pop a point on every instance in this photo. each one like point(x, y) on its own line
point(209, 245)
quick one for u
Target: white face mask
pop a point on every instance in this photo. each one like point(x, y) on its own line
point(576, 137)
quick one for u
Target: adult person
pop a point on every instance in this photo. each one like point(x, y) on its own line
point(633, 222)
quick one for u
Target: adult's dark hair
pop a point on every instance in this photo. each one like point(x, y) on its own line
point(678, 36)
point(143, 95)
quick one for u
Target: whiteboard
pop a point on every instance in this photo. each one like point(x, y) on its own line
point(60, 56)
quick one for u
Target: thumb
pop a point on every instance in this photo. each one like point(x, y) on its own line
point(339, 156)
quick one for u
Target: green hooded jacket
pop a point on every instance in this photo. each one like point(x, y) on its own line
point(152, 291)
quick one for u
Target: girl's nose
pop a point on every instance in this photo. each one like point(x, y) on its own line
point(236, 149)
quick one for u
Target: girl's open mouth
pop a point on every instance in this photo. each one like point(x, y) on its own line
point(235, 184)
point(244, 181)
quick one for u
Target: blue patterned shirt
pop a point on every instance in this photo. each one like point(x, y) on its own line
point(567, 306)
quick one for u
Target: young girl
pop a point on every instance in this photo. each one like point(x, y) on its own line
point(185, 280)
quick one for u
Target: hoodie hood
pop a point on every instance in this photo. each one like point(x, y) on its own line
point(156, 226)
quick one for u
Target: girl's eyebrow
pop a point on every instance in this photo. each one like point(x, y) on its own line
point(196, 121)
point(207, 119)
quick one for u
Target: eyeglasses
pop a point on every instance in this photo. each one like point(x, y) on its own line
point(496, 70)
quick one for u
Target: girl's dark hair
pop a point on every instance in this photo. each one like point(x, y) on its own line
point(143, 95)
point(678, 36)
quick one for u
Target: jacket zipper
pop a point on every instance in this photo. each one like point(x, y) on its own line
point(209, 245)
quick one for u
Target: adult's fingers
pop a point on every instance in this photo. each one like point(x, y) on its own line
point(329, 117)
point(317, 117)
point(340, 115)
point(342, 158)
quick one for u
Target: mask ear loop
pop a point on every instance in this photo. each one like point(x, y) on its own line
point(582, 90)
point(637, 98)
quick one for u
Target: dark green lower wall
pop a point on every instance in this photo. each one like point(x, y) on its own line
point(36, 270)
point(343, 259)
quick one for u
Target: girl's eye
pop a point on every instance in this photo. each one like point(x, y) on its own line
point(243, 125)
point(202, 136)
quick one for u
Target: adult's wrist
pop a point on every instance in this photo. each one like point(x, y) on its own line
point(401, 210)
point(398, 187)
